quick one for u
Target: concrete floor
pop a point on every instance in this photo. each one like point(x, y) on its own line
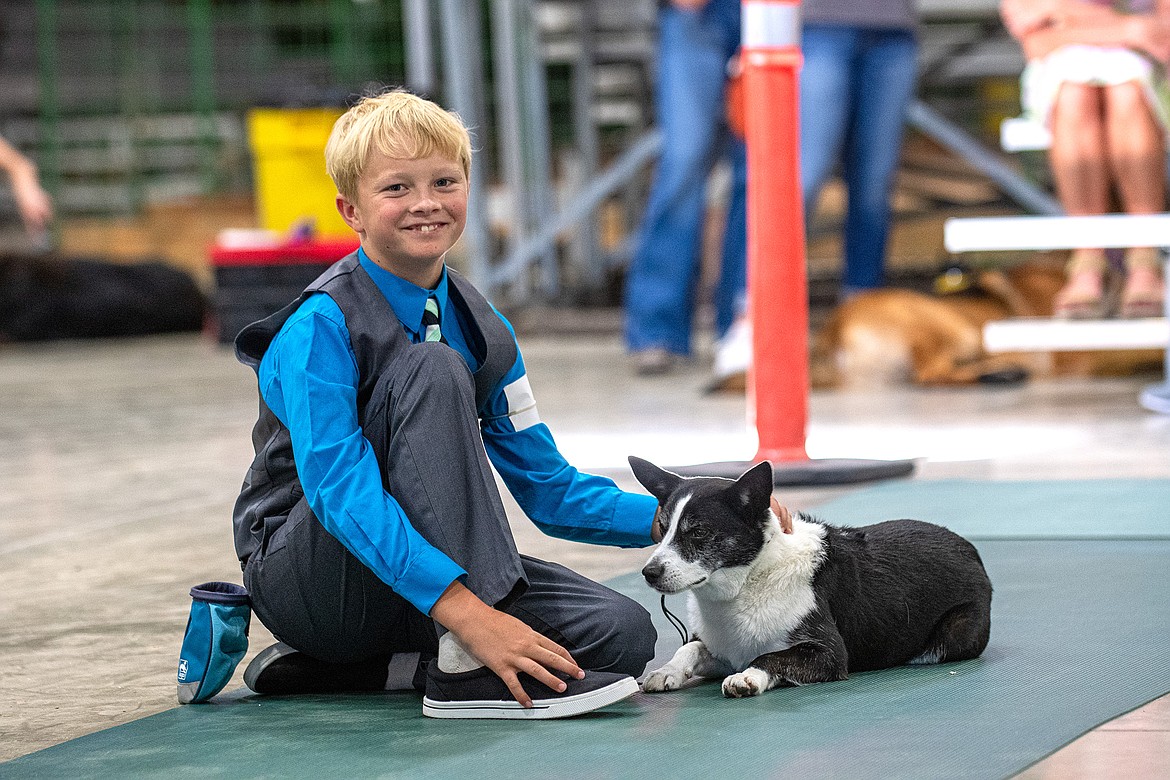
point(120, 461)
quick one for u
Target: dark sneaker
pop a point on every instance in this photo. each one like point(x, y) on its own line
point(481, 694)
point(280, 669)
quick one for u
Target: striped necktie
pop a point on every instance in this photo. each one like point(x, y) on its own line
point(430, 321)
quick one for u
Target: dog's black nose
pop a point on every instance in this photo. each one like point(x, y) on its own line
point(653, 572)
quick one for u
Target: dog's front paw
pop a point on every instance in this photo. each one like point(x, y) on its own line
point(668, 678)
point(750, 682)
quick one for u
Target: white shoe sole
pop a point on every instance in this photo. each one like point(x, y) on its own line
point(541, 709)
point(262, 661)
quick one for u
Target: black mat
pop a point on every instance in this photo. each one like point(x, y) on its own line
point(816, 471)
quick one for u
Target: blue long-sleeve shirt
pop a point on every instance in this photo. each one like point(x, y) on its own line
point(309, 377)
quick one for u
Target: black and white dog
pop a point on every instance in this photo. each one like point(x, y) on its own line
point(810, 602)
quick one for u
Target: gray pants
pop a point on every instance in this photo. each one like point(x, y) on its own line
point(313, 594)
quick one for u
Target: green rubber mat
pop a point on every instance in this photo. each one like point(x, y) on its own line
point(1080, 631)
point(1076, 509)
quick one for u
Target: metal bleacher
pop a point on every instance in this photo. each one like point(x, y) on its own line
point(979, 44)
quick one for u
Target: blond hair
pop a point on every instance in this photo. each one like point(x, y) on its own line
point(399, 125)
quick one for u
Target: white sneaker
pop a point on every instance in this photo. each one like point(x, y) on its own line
point(733, 356)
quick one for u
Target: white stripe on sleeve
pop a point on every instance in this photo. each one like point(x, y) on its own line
point(521, 405)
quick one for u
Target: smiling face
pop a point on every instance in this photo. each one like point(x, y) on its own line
point(408, 213)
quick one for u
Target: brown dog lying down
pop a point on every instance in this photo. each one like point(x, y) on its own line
point(895, 336)
point(892, 336)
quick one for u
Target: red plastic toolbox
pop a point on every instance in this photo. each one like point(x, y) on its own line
point(252, 282)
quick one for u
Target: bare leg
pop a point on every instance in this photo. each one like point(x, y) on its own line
point(1137, 157)
point(1081, 173)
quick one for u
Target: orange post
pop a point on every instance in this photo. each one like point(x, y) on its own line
point(777, 280)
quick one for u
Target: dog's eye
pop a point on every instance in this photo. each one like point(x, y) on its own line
point(698, 532)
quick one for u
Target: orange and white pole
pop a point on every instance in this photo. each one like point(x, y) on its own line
point(777, 280)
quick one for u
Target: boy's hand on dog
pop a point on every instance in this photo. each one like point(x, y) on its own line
point(503, 643)
point(783, 514)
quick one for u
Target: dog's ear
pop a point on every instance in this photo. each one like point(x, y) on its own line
point(660, 482)
point(752, 493)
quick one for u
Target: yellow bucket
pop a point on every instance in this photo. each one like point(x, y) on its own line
point(288, 154)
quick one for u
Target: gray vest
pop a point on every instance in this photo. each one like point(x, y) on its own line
point(272, 488)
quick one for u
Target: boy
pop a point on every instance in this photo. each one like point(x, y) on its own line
point(369, 526)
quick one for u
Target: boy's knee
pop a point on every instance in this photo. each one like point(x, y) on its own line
point(434, 368)
point(426, 376)
point(434, 361)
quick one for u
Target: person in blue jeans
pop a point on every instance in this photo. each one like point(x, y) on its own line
point(856, 82)
point(697, 38)
point(858, 77)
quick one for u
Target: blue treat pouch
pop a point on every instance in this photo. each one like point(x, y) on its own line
point(215, 641)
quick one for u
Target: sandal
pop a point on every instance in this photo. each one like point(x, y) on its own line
point(1144, 295)
point(1081, 298)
